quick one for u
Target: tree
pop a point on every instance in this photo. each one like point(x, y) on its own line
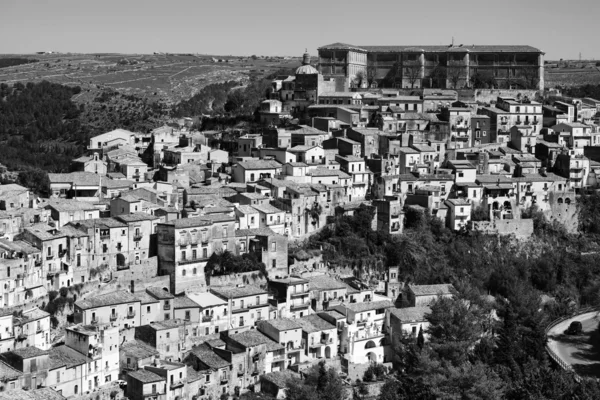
point(454, 327)
point(420, 339)
point(412, 72)
point(483, 80)
point(438, 76)
point(315, 212)
point(456, 75)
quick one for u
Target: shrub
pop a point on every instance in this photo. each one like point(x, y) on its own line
point(64, 291)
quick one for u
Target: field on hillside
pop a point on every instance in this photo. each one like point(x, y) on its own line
point(164, 78)
point(571, 73)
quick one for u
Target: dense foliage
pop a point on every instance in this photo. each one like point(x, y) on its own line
point(211, 98)
point(226, 263)
point(11, 62)
point(592, 91)
point(489, 341)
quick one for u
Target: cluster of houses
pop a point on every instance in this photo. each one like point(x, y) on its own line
point(126, 236)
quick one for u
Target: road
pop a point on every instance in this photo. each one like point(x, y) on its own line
point(581, 352)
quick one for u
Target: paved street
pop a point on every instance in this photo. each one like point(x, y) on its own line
point(582, 352)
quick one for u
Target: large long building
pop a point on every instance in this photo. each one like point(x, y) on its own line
point(435, 66)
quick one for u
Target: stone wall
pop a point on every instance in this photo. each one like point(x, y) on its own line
point(521, 228)
point(489, 95)
point(244, 278)
point(563, 212)
point(103, 394)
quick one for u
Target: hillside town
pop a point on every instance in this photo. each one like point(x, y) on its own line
point(170, 265)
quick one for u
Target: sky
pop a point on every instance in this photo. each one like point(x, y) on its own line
point(266, 27)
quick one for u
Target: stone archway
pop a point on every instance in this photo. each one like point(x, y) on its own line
point(120, 260)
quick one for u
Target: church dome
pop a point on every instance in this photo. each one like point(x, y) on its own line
point(306, 68)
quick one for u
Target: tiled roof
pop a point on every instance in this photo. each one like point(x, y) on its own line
point(35, 394)
point(9, 373)
point(101, 223)
point(184, 302)
point(159, 293)
point(267, 209)
point(280, 378)
point(259, 164)
point(207, 356)
point(138, 349)
point(146, 376)
point(108, 299)
point(76, 178)
point(64, 356)
point(193, 375)
point(245, 209)
point(324, 282)
point(12, 188)
point(189, 222)
point(447, 48)
point(369, 305)
point(255, 232)
point(232, 292)
point(29, 352)
point(329, 172)
point(429, 290)
point(314, 323)
point(282, 324)
point(251, 338)
point(145, 298)
point(136, 217)
point(411, 314)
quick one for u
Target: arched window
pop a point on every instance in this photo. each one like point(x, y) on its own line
point(560, 200)
point(75, 389)
point(567, 201)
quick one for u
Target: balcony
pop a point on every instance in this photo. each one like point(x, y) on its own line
point(327, 340)
point(39, 329)
point(207, 318)
point(297, 307)
point(114, 317)
point(279, 357)
point(299, 294)
point(130, 314)
point(49, 256)
point(78, 247)
point(21, 337)
point(183, 242)
point(137, 237)
point(224, 380)
point(167, 306)
point(104, 236)
point(189, 261)
point(38, 263)
point(94, 321)
point(177, 385)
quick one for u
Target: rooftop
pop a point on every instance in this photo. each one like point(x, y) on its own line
point(64, 356)
point(138, 349)
point(369, 305)
point(206, 299)
point(232, 292)
point(145, 376)
point(208, 357)
point(411, 314)
point(108, 299)
point(314, 323)
point(283, 324)
point(29, 352)
point(254, 338)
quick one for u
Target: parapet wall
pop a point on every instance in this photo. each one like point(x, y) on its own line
point(521, 228)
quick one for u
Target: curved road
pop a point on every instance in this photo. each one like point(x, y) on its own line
point(581, 352)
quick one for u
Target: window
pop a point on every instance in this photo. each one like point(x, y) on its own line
point(207, 330)
point(204, 253)
point(251, 177)
point(153, 388)
point(257, 300)
point(148, 309)
point(273, 246)
point(483, 133)
point(57, 376)
point(187, 315)
point(168, 348)
point(167, 316)
point(183, 255)
point(224, 231)
point(462, 210)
